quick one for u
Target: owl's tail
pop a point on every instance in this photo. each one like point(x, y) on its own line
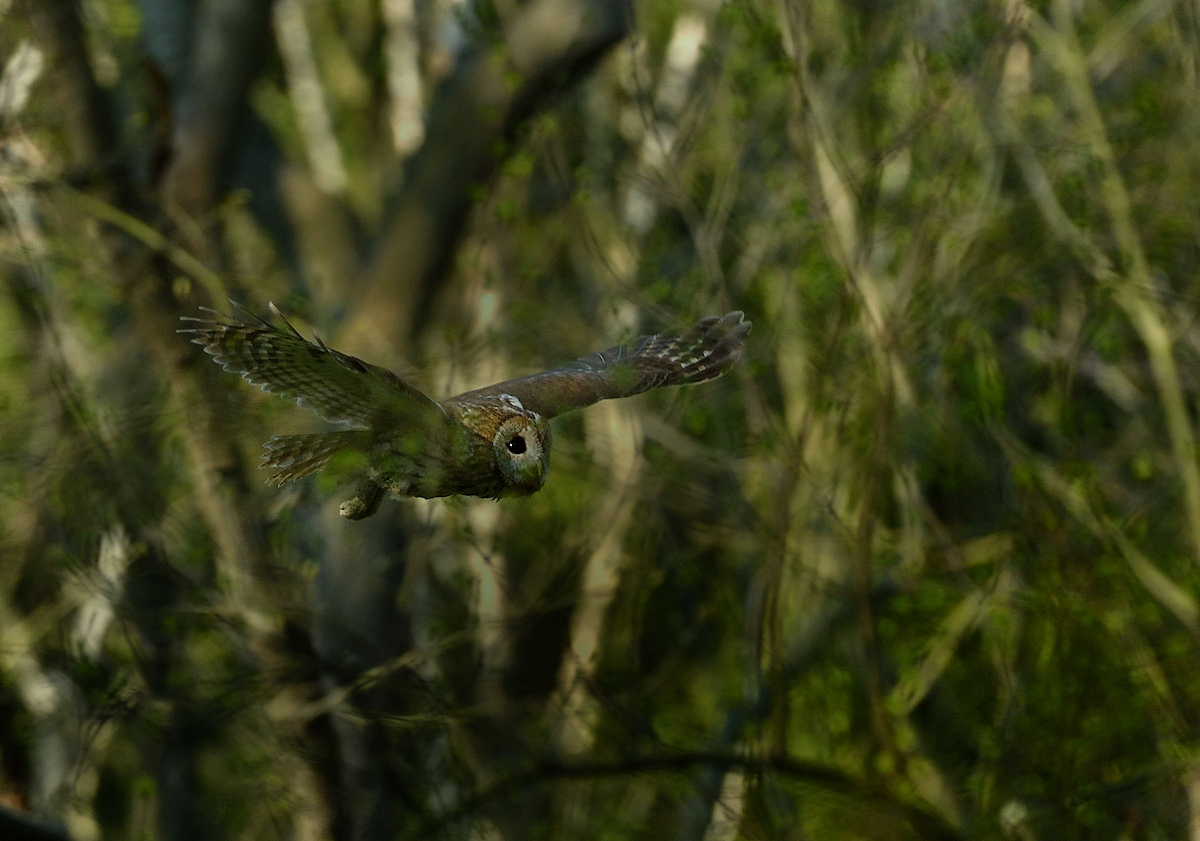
point(297, 456)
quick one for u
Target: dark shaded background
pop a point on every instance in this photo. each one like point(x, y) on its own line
point(924, 565)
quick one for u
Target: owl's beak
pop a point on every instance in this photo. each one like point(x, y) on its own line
point(536, 475)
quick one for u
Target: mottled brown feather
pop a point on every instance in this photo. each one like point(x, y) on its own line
point(704, 352)
point(489, 442)
point(336, 386)
point(296, 456)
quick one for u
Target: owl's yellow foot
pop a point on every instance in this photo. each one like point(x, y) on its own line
point(365, 501)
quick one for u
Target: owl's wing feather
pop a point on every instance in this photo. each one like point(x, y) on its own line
point(704, 352)
point(336, 386)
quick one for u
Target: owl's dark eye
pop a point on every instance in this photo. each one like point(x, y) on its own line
point(516, 445)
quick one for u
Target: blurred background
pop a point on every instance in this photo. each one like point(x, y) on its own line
point(925, 564)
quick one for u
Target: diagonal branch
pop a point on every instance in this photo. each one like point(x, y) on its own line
point(549, 45)
point(1131, 284)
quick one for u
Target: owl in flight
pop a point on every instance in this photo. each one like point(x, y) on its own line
point(489, 442)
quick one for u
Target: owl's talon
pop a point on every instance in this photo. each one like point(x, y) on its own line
point(364, 503)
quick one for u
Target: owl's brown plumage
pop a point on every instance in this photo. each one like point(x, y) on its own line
point(488, 442)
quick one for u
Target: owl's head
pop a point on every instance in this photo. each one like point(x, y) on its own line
point(521, 447)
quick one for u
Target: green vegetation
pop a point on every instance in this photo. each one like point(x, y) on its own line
point(925, 564)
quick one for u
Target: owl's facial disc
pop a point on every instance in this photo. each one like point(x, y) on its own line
point(522, 449)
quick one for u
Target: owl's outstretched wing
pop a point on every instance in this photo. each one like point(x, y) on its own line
point(336, 386)
point(707, 350)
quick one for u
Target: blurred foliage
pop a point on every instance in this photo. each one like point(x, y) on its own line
point(925, 564)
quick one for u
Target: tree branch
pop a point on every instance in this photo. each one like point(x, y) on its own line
point(551, 44)
point(90, 132)
point(929, 824)
point(210, 110)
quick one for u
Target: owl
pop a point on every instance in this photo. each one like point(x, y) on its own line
point(490, 442)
